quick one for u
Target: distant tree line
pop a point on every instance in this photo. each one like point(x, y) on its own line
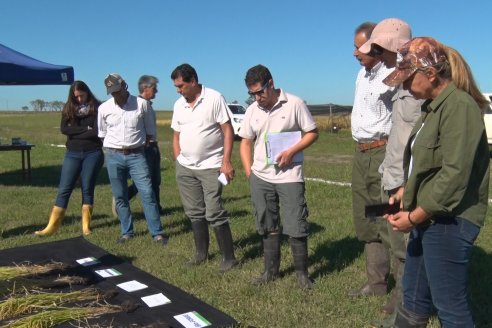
point(40, 105)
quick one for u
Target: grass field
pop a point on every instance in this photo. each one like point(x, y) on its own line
point(335, 255)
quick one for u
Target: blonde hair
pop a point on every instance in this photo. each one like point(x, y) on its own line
point(462, 76)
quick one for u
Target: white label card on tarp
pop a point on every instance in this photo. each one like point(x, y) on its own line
point(132, 285)
point(156, 300)
point(106, 273)
point(192, 320)
point(88, 261)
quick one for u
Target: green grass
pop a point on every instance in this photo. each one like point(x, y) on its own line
point(336, 261)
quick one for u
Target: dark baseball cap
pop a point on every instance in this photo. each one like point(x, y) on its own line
point(113, 83)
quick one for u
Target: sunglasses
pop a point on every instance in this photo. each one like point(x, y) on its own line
point(259, 92)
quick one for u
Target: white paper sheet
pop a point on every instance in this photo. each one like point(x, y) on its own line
point(156, 300)
point(132, 285)
point(278, 142)
point(222, 179)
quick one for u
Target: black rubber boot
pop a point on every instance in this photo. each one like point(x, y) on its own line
point(300, 254)
point(407, 319)
point(396, 294)
point(271, 256)
point(201, 237)
point(377, 269)
point(388, 322)
point(224, 239)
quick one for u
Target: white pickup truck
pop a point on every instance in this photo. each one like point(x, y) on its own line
point(236, 113)
point(488, 119)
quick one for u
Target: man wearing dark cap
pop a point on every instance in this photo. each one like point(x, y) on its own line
point(147, 87)
point(126, 125)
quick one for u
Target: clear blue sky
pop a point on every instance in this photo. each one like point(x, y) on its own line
point(307, 44)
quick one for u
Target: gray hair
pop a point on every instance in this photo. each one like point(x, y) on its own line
point(147, 81)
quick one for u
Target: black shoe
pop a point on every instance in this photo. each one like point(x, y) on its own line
point(123, 239)
point(161, 239)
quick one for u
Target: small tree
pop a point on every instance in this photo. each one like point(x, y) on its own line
point(38, 105)
point(25, 108)
point(56, 105)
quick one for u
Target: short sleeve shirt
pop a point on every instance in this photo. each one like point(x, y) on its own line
point(289, 114)
point(200, 134)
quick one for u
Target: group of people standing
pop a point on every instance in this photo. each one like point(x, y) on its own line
point(125, 128)
point(420, 142)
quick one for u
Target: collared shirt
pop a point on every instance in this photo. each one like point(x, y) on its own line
point(371, 113)
point(125, 127)
point(406, 112)
point(290, 113)
point(153, 138)
point(200, 133)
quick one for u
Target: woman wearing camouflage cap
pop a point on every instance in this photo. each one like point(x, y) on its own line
point(446, 190)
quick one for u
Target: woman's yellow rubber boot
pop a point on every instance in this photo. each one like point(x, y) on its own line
point(56, 218)
point(86, 219)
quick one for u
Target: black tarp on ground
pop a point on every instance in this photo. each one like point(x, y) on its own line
point(69, 250)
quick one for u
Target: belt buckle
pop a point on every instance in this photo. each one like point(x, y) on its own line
point(126, 151)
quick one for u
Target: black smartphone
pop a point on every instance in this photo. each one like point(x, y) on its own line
point(376, 210)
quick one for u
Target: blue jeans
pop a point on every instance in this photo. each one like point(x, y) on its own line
point(83, 164)
point(436, 270)
point(120, 166)
point(153, 156)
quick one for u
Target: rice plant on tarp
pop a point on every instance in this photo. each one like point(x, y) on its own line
point(54, 317)
point(21, 284)
point(20, 305)
point(25, 270)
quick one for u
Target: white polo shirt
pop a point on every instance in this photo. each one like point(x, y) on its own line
point(200, 135)
point(125, 127)
point(290, 113)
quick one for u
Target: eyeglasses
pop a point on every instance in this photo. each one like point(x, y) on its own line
point(259, 92)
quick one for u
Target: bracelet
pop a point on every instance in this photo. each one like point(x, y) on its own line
point(410, 220)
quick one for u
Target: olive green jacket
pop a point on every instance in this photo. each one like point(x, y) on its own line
point(450, 159)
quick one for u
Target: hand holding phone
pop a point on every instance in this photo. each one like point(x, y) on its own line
point(373, 211)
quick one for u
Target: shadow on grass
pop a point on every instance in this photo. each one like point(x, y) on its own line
point(254, 246)
point(44, 176)
point(68, 220)
point(481, 288)
point(340, 254)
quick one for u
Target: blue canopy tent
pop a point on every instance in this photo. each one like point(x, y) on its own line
point(19, 69)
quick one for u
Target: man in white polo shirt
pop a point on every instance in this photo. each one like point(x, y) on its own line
point(202, 146)
point(277, 182)
point(126, 125)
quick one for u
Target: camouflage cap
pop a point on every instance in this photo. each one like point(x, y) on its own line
point(417, 53)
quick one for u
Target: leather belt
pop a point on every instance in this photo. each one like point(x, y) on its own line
point(127, 151)
point(371, 145)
